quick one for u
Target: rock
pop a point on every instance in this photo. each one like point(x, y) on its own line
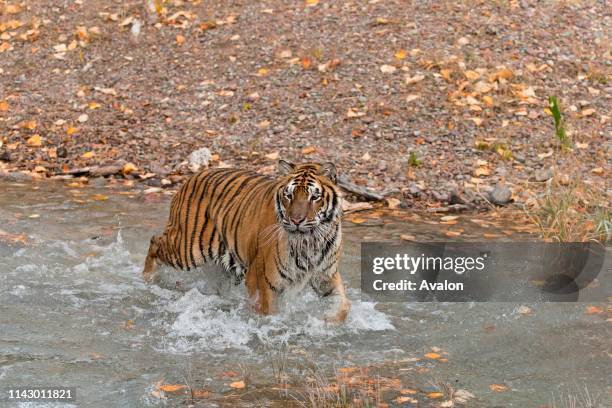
point(199, 158)
point(6, 157)
point(62, 152)
point(500, 195)
point(414, 189)
point(543, 174)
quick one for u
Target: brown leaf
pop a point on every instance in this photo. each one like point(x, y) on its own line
point(171, 387)
point(434, 395)
point(34, 141)
point(200, 393)
point(180, 40)
point(238, 385)
point(498, 387)
point(309, 150)
point(592, 310)
point(129, 168)
point(4, 106)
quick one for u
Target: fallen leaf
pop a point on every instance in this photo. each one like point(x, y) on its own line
point(238, 385)
point(263, 71)
point(433, 356)
point(471, 75)
point(171, 387)
point(272, 156)
point(129, 168)
point(412, 97)
point(309, 150)
point(598, 170)
point(408, 237)
point(200, 393)
point(413, 80)
point(400, 54)
point(498, 387)
point(587, 112)
point(501, 74)
point(387, 69)
point(405, 399)
point(524, 310)
point(393, 203)
point(71, 130)
point(408, 391)
point(306, 62)
point(34, 141)
point(453, 233)
point(592, 310)
point(311, 3)
point(434, 395)
point(449, 218)
point(99, 197)
point(88, 155)
point(4, 106)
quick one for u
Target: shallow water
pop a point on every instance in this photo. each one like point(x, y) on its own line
point(74, 311)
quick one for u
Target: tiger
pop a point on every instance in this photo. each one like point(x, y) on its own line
point(275, 233)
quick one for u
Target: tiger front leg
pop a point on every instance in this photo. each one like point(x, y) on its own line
point(334, 286)
point(149, 273)
point(261, 290)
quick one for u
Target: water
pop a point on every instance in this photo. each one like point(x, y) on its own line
point(74, 311)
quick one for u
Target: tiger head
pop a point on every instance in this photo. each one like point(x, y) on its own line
point(308, 198)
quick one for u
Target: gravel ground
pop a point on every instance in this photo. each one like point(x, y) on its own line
point(437, 100)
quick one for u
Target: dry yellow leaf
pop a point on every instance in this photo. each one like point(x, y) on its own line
point(587, 112)
point(34, 141)
point(433, 356)
point(312, 2)
point(129, 168)
point(263, 71)
point(238, 385)
point(434, 395)
point(471, 75)
point(71, 130)
point(488, 100)
point(12, 9)
point(88, 155)
point(99, 197)
point(180, 40)
point(4, 106)
point(501, 74)
point(5, 46)
point(481, 171)
point(401, 54)
point(408, 391)
point(498, 387)
point(171, 387)
point(29, 124)
point(358, 220)
point(453, 233)
point(446, 74)
point(306, 62)
point(94, 105)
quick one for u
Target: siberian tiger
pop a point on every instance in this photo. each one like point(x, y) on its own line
point(280, 233)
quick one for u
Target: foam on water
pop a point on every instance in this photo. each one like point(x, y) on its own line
point(200, 322)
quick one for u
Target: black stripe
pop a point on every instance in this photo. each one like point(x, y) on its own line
point(274, 289)
point(205, 185)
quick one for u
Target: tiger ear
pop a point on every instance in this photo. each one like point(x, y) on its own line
point(328, 169)
point(285, 167)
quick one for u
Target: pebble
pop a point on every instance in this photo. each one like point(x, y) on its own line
point(500, 195)
point(62, 152)
point(6, 157)
point(543, 174)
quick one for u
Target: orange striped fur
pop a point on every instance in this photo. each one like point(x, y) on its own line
point(278, 233)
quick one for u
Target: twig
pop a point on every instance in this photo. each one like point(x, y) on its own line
point(362, 192)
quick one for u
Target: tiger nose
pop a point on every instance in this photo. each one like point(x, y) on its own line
point(297, 220)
